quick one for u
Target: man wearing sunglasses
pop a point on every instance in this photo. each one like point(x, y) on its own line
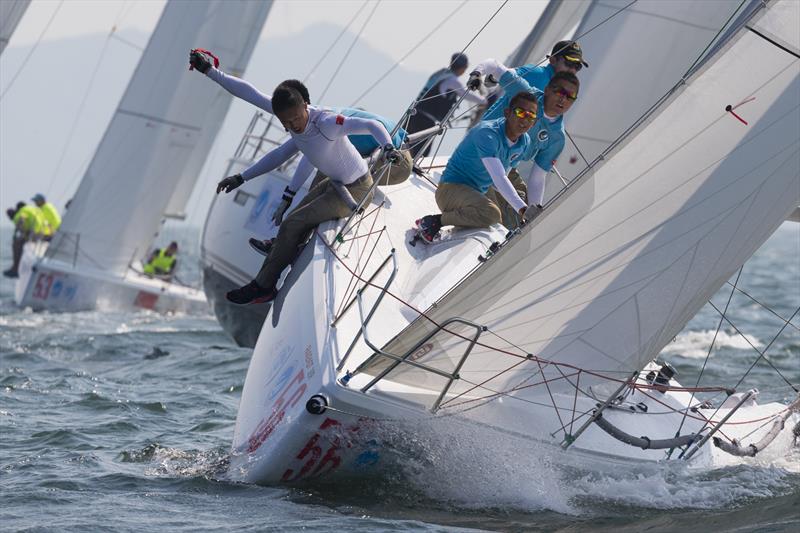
point(480, 161)
point(548, 133)
point(566, 56)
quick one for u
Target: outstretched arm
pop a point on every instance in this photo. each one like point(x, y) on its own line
point(453, 84)
point(241, 89)
point(271, 161)
point(356, 126)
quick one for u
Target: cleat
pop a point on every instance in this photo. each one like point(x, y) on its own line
point(11, 273)
point(428, 228)
point(263, 247)
point(252, 293)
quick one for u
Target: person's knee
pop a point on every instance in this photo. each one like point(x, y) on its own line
point(488, 215)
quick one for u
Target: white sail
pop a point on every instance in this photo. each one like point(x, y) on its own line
point(611, 272)
point(557, 22)
point(636, 54)
point(11, 12)
point(159, 136)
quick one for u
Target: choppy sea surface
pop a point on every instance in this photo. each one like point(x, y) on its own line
point(120, 421)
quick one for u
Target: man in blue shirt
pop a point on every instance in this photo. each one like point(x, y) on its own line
point(548, 133)
point(567, 56)
point(481, 160)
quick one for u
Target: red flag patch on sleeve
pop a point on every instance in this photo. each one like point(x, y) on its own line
point(340, 119)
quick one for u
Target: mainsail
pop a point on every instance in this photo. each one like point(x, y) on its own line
point(158, 137)
point(614, 269)
point(11, 12)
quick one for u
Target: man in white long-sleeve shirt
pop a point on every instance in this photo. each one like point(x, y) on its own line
point(322, 138)
point(437, 98)
point(481, 160)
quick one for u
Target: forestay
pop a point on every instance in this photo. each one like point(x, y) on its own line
point(159, 136)
point(611, 272)
point(11, 12)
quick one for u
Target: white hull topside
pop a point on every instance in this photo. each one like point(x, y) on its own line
point(45, 284)
point(310, 328)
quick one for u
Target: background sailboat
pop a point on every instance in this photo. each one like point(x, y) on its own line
point(144, 168)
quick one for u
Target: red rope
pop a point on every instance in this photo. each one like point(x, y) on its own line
point(539, 361)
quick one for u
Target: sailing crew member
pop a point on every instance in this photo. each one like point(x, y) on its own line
point(481, 160)
point(548, 134)
point(566, 56)
point(162, 262)
point(321, 136)
point(440, 93)
point(29, 225)
point(365, 144)
point(50, 214)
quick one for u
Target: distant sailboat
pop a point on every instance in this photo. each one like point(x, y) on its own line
point(144, 168)
point(11, 12)
point(552, 336)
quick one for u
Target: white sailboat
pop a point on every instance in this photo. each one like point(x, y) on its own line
point(11, 12)
point(553, 337)
point(144, 169)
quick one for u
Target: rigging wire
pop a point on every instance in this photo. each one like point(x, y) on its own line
point(350, 49)
point(763, 354)
point(765, 307)
point(412, 50)
point(753, 347)
point(33, 49)
point(710, 349)
point(79, 111)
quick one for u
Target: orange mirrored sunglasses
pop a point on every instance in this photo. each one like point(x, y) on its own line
point(524, 113)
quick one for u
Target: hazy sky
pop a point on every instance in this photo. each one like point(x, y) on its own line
point(393, 27)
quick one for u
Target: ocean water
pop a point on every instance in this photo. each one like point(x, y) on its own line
point(122, 421)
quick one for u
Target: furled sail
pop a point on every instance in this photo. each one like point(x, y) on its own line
point(11, 12)
point(557, 22)
point(614, 269)
point(159, 136)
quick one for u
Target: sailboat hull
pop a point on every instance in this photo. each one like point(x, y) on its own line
point(50, 285)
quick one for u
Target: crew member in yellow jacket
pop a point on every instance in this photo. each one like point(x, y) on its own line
point(162, 261)
point(29, 225)
point(50, 213)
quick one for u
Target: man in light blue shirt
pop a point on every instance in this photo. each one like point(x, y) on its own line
point(548, 133)
point(567, 56)
point(480, 161)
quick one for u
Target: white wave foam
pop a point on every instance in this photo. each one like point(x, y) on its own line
point(477, 468)
point(694, 344)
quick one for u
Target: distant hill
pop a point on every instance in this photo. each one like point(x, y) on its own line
point(37, 113)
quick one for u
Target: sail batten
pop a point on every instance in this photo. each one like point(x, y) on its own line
point(158, 139)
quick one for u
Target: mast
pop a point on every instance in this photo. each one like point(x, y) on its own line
point(557, 22)
point(159, 136)
point(11, 12)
